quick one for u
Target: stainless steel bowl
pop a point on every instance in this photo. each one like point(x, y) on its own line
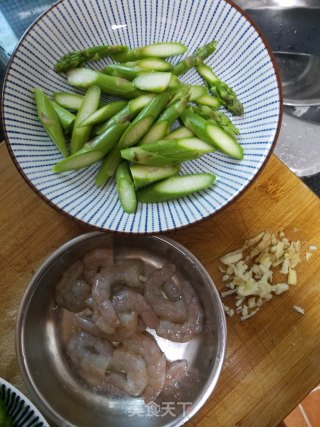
point(56, 388)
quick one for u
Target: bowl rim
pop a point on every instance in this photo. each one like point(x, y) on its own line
point(25, 399)
point(98, 228)
point(212, 380)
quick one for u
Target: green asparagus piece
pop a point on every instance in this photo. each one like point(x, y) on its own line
point(81, 134)
point(159, 50)
point(66, 118)
point(124, 70)
point(181, 132)
point(127, 113)
point(196, 91)
point(194, 60)
point(144, 120)
point(153, 81)
point(144, 175)
point(140, 156)
point(74, 59)
point(162, 126)
point(109, 165)
point(72, 101)
point(125, 188)
point(175, 187)
point(5, 419)
point(218, 117)
point(182, 91)
point(92, 151)
point(212, 133)
point(84, 77)
point(50, 120)
point(104, 113)
point(154, 64)
point(209, 101)
point(178, 149)
point(221, 90)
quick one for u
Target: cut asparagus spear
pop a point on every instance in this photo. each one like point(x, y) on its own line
point(196, 91)
point(221, 90)
point(175, 187)
point(93, 150)
point(66, 118)
point(84, 77)
point(74, 59)
point(159, 50)
point(154, 64)
point(127, 113)
point(104, 113)
point(50, 120)
point(109, 165)
point(142, 157)
point(181, 132)
point(144, 175)
point(212, 133)
point(194, 60)
point(124, 70)
point(162, 126)
point(209, 101)
point(81, 134)
point(144, 120)
point(178, 150)
point(72, 101)
point(218, 117)
point(125, 188)
point(153, 81)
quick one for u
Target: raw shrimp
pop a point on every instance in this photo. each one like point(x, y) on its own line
point(132, 377)
point(91, 355)
point(72, 292)
point(174, 311)
point(178, 382)
point(192, 326)
point(127, 328)
point(146, 346)
point(104, 314)
point(172, 290)
point(128, 300)
point(175, 373)
point(95, 260)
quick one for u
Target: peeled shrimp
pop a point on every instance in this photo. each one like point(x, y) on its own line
point(72, 292)
point(127, 328)
point(128, 300)
point(146, 346)
point(132, 377)
point(104, 314)
point(172, 290)
point(178, 382)
point(91, 355)
point(192, 326)
point(95, 260)
point(174, 311)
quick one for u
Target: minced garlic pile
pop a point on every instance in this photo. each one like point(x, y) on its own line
point(249, 271)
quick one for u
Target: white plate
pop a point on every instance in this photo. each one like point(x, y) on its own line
point(241, 59)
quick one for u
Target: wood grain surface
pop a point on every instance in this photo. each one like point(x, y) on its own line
point(272, 360)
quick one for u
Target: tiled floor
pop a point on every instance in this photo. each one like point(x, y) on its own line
point(307, 414)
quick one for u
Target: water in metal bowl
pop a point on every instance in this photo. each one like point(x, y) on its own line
point(56, 387)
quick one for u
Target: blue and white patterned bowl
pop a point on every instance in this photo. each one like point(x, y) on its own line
point(22, 411)
point(242, 59)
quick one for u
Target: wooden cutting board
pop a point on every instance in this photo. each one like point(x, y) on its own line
point(272, 360)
